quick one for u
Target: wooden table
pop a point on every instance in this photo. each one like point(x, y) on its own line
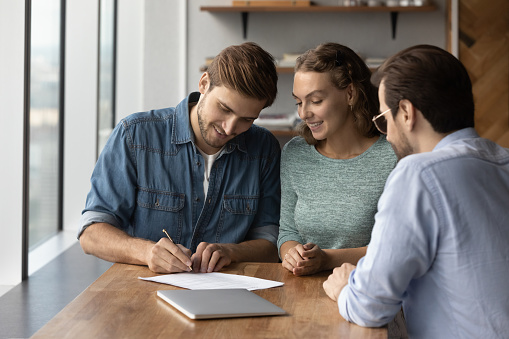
point(119, 305)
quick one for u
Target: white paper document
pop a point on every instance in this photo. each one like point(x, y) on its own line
point(214, 280)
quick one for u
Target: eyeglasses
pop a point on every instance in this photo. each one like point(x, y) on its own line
point(381, 122)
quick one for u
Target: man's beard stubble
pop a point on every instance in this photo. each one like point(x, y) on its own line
point(202, 123)
point(404, 148)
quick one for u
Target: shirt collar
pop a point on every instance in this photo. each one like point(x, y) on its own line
point(182, 132)
point(465, 133)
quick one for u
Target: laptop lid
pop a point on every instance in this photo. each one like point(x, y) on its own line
point(219, 303)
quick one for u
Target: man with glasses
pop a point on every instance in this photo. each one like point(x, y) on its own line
point(440, 244)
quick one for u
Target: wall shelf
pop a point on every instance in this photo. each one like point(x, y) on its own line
point(245, 10)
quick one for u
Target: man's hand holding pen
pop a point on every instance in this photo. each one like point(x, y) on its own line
point(168, 257)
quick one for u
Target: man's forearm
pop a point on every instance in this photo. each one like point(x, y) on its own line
point(109, 243)
point(259, 250)
point(337, 257)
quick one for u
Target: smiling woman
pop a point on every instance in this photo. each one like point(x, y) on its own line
point(334, 172)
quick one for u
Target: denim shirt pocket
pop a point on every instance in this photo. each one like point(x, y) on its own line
point(156, 210)
point(160, 200)
point(237, 215)
point(241, 204)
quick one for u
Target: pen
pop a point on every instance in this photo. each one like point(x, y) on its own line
point(173, 242)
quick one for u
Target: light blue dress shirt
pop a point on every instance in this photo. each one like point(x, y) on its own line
point(440, 245)
point(150, 176)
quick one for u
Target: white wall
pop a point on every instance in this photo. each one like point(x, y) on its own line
point(130, 35)
point(164, 53)
point(367, 33)
point(81, 49)
point(12, 39)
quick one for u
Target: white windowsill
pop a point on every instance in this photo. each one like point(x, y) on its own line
point(50, 249)
point(46, 252)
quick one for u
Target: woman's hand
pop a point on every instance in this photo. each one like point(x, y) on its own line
point(304, 259)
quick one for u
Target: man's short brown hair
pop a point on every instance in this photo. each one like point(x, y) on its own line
point(247, 69)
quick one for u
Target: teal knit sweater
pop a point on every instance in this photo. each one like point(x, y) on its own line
point(331, 202)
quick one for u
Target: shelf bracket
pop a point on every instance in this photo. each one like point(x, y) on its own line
point(244, 16)
point(394, 23)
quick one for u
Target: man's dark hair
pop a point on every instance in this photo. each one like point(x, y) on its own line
point(434, 81)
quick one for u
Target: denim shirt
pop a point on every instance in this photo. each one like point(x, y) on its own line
point(150, 175)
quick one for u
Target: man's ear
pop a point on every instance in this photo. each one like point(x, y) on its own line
point(204, 83)
point(408, 114)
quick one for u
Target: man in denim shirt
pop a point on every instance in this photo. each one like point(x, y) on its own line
point(202, 171)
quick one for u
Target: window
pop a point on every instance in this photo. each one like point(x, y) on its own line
point(45, 121)
point(106, 79)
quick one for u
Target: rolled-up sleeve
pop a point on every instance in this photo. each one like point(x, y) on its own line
point(112, 196)
point(91, 217)
point(269, 233)
point(266, 223)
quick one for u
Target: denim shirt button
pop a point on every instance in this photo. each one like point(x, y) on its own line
point(197, 199)
point(198, 163)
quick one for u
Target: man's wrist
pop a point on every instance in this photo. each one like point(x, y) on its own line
point(327, 262)
point(229, 251)
point(146, 247)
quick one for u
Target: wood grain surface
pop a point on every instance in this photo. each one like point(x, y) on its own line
point(484, 50)
point(119, 305)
